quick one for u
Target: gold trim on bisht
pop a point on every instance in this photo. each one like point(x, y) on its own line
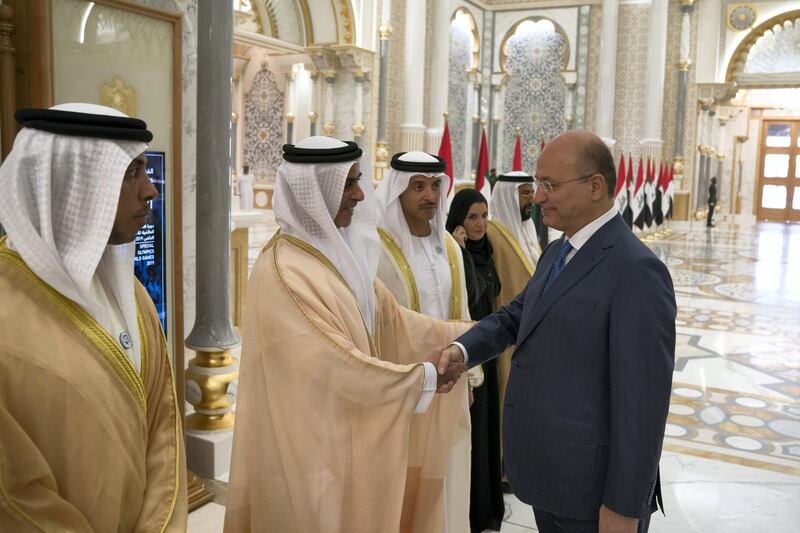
point(146, 333)
point(505, 232)
point(309, 249)
point(455, 279)
point(402, 263)
point(87, 325)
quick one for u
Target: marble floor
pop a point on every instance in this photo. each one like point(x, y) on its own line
point(731, 460)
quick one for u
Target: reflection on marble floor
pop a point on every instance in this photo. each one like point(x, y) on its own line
point(731, 459)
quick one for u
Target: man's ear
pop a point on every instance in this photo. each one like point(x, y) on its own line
point(598, 187)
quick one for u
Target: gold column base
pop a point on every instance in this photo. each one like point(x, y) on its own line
point(199, 422)
point(207, 380)
point(381, 161)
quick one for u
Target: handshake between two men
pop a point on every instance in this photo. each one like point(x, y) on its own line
point(449, 364)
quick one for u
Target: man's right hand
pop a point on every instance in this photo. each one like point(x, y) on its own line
point(449, 369)
point(451, 354)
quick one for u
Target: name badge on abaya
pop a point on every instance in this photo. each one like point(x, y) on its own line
point(125, 340)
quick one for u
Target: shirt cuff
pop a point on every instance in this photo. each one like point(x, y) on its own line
point(463, 351)
point(428, 388)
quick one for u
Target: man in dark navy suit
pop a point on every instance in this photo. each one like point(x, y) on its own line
point(594, 331)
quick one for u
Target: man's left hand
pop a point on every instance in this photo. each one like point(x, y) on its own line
point(611, 522)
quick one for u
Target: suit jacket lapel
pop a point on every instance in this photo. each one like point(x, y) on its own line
point(589, 256)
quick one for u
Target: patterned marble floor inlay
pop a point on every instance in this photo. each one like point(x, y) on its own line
point(736, 390)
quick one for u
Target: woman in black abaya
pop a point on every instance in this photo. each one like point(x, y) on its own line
point(467, 222)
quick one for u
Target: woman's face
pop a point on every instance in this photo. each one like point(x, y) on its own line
point(475, 223)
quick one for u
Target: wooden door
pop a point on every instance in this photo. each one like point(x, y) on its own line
point(778, 195)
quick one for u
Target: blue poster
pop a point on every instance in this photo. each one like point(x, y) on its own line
point(149, 263)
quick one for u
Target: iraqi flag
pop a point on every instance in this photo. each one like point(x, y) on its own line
point(658, 213)
point(621, 192)
point(482, 173)
point(666, 200)
point(627, 215)
point(446, 153)
point(649, 194)
point(637, 198)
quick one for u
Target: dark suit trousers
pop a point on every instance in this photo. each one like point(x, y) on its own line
point(710, 216)
point(550, 523)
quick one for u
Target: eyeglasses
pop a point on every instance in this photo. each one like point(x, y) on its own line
point(549, 186)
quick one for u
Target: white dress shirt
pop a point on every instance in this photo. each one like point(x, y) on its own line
point(431, 271)
point(428, 262)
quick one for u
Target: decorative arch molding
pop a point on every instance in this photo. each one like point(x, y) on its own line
point(513, 30)
point(766, 30)
point(476, 35)
point(284, 20)
point(299, 22)
point(333, 21)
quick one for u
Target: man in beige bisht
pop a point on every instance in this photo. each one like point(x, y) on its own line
point(334, 431)
point(422, 266)
point(90, 435)
point(515, 248)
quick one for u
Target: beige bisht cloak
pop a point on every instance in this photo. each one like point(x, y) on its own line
point(326, 438)
point(395, 272)
point(514, 270)
point(86, 444)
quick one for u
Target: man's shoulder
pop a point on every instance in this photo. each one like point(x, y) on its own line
point(630, 254)
point(499, 234)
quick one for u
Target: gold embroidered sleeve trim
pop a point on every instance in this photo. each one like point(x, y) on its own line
point(455, 276)
point(147, 334)
point(401, 263)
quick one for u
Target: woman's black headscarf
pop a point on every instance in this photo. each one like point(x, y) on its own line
point(483, 284)
point(459, 208)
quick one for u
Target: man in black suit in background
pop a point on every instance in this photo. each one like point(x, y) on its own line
point(712, 202)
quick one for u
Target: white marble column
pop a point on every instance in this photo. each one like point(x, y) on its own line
point(606, 84)
point(721, 134)
point(381, 150)
point(477, 120)
point(654, 88)
point(437, 99)
point(329, 126)
point(313, 106)
point(413, 129)
point(687, 6)
point(291, 108)
point(358, 106)
point(569, 110)
point(497, 119)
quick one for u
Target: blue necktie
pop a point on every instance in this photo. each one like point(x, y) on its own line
point(559, 265)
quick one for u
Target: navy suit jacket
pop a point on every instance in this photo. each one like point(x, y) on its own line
point(591, 376)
